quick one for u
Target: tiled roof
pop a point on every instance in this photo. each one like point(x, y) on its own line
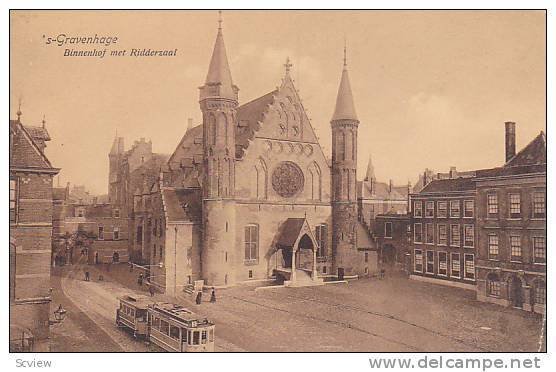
point(37, 133)
point(289, 232)
point(532, 154)
point(450, 185)
point(25, 151)
point(249, 115)
point(182, 204)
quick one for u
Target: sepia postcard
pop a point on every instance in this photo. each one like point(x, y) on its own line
point(369, 181)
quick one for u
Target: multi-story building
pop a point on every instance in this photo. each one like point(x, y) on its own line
point(31, 175)
point(104, 229)
point(443, 229)
point(292, 214)
point(511, 213)
point(392, 233)
point(374, 197)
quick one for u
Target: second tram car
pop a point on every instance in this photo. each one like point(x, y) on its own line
point(175, 328)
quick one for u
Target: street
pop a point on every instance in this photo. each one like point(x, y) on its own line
point(394, 314)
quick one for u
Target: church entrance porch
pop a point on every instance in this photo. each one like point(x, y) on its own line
point(297, 247)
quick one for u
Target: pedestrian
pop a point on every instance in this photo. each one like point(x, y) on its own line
point(382, 271)
point(199, 297)
point(213, 295)
point(151, 290)
point(140, 279)
point(130, 267)
point(87, 278)
point(100, 278)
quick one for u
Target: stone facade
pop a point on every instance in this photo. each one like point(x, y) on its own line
point(217, 208)
point(31, 207)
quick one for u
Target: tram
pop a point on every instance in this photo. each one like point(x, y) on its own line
point(132, 314)
point(177, 329)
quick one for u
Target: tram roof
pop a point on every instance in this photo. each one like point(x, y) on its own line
point(178, 312)
point(137, 300)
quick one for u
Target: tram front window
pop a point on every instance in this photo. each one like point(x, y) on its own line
point(184, 336)
point(196, 338)
point(203, 337)
point(211, 335)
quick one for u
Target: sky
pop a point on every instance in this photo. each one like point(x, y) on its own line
point(432, 89)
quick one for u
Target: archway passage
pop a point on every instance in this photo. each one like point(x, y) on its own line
point(516, 292)
point(305, 248)
point(388, 254)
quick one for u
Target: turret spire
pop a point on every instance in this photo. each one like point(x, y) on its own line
point(219, 73)
point(19, 110)
point(345, 108)
point(370, 170)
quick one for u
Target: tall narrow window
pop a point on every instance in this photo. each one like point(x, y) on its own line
point(539, 207)
point(430, 262)
point(442, 208)
point(12, 271)
point(429, 209)
point(455, 238)
point(454, 209)
point(321, 234)
point(492, 205)
point(116, 233)
point(442, 235)
point(455, 265)
point(493, 247)
point(515, 247)
point(429, 233)
point(540, 292)
point(469, 208)
point(469, 266)
point(539, 249)
point(493, 285)
point(100, 233)
point(468, 236)
point(442, 263)
point(418, 260)
point(251, 242)
point(418, 209)
point(388, 229)
point(418, 233)
point(13, 200)
point(515, 205)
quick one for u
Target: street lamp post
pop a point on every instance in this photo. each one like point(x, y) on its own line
point(59, 315)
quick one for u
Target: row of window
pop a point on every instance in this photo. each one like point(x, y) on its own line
point(441, 236)
point(445, 264)
point(115, 233)
point(538, 244)
point(187, 336)
point(514, 202)
point(494, 285)
point(442, 209)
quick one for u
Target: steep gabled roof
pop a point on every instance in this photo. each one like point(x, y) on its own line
point(249, 115)
point(25, 151)
point(532, 154)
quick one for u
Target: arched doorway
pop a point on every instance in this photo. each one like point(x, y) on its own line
point(304, 253)
point(515, 292)
point(116, 257)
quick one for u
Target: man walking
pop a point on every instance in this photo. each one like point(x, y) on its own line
point(87, 276)
point(212, 296)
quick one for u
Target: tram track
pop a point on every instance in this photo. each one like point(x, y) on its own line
point(345, 325)
point(395, 318)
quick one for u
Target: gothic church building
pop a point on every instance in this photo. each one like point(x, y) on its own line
point(250, 195)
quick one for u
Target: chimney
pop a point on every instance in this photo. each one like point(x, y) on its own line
point(453, 172)
point(425, 178)
point(510, 140)
point(390, 186)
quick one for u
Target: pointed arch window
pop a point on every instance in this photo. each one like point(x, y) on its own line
point(262, 179)
point(316, 181)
